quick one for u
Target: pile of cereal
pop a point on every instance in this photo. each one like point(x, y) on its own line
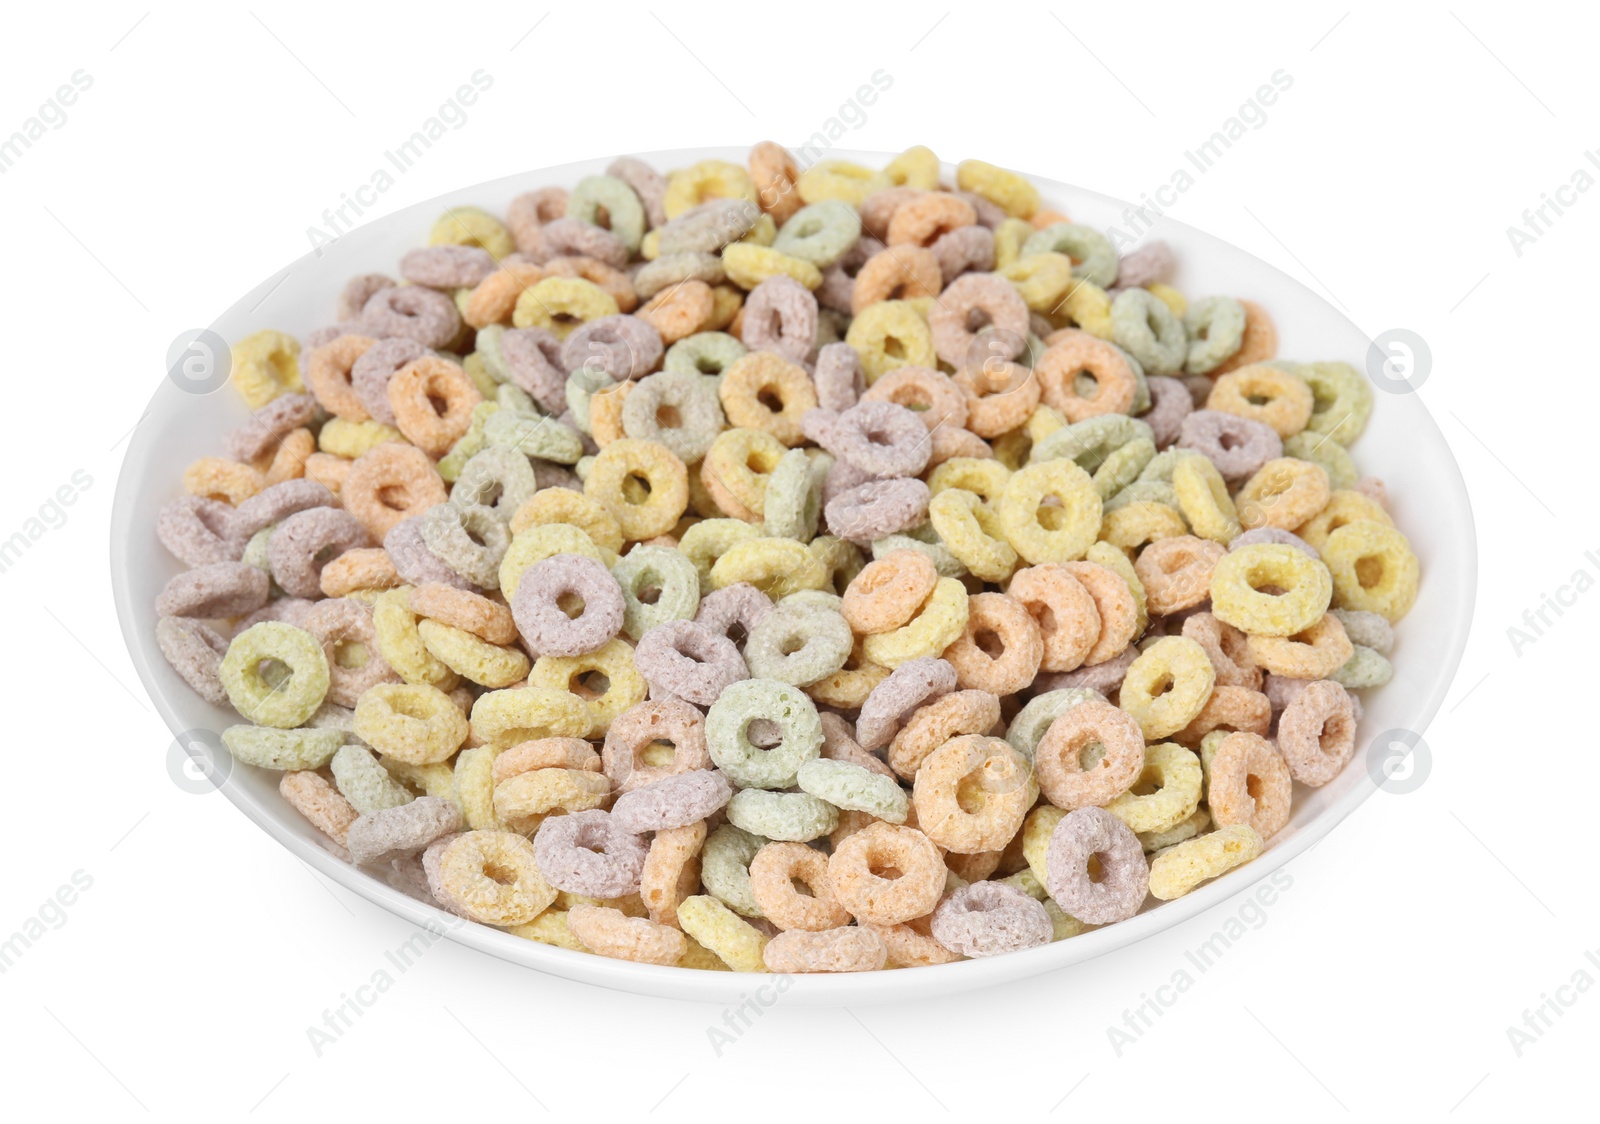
point(788, 571)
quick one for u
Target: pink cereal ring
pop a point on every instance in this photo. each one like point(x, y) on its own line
point(412, 311)
point(1058, 756)
point(689, 661)
point(585, 853)
point(533, 360)
point(407, 547)
point(357, 292)
point(838, 377)
point(1124, 872)
point(850, 948)
point(987, 918)
point(877, 508)
point(221, 589)
point(674, 722)
point(1316, 732)
point(447, 267)
point(1237, 446)
point(964, 249)
point(780, 315)
point(277, 503)
point(270, 425)
point(370, 374)
point(199, 531)
point(879, 438)
point(344, 626)
point(1170, 403)
point(307, 541)
point(536, 606)
point(891, 704)
point(402, 830)
point(195, 651)
point(740, 606)
point(979, 294)
point(675, 801)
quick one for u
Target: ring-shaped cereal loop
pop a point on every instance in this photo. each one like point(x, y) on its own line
point(677, 410)
point(1182, 867)
point(521, 714)
point(1077, 353)
point(1343, 400)
point(1001, 649)
point(541, 618)
point(637, 729)
point(410, 722)
point(327, 374)
point(1316, 732)
point(764, 391)
point(773, 874)
point(978, 294)
point(699, 183)
point(972, 793)
point(704, 353)
point(728, 727)
point(1283, 493)
point(563, 505)
point(931, 396)
point(1203, 499)
point(886, 875)
point(888, 335)
point(985, 478)
point(1065, 611)
point(798, 646)
point(350, 643)
point(819, 233)
point(777, 567)
point(924, 219)
point(612, 664)
point(545, 541)
point(560, 304)
point(1260, 340)
point(671, 871)
point(1343, 506)
point(401, 645)
point(1145, 327)
point(974, 533)
point(1249, 782)
point(666, 574)
point(1167, 686)
point(1055, 533)
point(1215, 326)
point(1124, 873)
point(617, 198)
point(1176, 572)
point(1058, 757)
point(472, 657)
point(647, 511)
point(1040, 713)
point(412, 393)
point(896, 273)
point(388, 484)
point(1095, 258)
point(491, 877)
point(1265, 394)
point(942, 618)
point(887, 593)
point(773, 173)
point(1240, 578)
point(848, 948)
point(1316, 653)
point(736, 468)
point(1175, 778)
point(1373, 569)
point(610, 932)
point(795, 817)
point(585, 853)
point(282, 701)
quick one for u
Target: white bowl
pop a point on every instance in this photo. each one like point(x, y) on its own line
point(1402, 445)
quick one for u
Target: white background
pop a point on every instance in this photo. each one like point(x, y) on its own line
point(183, 981)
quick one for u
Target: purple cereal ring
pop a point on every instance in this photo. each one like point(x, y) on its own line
point(675, 801)
point(1170, 404)
point(647, 183)
point(220, 589)
point(880, 438)
point(533, 361)
point(585, 853)
point(689, 661)
point(407, 547)
point(405, 829)
point(1124, 872)
point(447, 267)
point(548, 474)
point(1103, 677)
point(370, 374)
point(1278, 535)
point(284, 610)
point(269, 425)
point(414, 312)
point(1148, 265)
point(1237, 446)
point(199, 531)
point(979, 294)
point(343, 624)
point(962, 250)
point(841, 478)
point(988, 918)
point(357, 292)
point(624, 347)
point(545, 628)
point(913, 684)
point(322, 336)
point(877, 508)
point(780, 315)
point(579, 239)
point(307, 541)
point(277, 503)
point(195, 651)
point(837, 290)
point(738, 606)
point(838, 377)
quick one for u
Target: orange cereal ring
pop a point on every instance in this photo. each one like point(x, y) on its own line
point(495, 297)
point(460, 608)
point(927, 218)
point(1316, 653)
point(605, 413)
point(1249, 782)
point(315, 798)
point(948, 716)
point(1233, 708)
point(545, 753)
point(930, 395)
point(1284, 493)
point(217, 478)
point(877, 210)
point(1176, 572)
point(766, 392)
point(773, 874)
point(390, 483)
point(1001, 650)
point(1001, 396)
point(672, 871)
point(774, 173)
point(896, 274)
point(888, 592)
point(972, 793)
point(607, 278)
point(736, 470)
point(1263, 393)
point(1119, 611)
point(1066, 613)
point(887, 875)
point(1058, 757)
point(413, 391)
point(328, 470)
point(366, 567)
point(1260, 340)
point(327, 375)
point(948, 442)
point(1075, 355)
point(289, 459)
point(909, 947)
point(679, 310)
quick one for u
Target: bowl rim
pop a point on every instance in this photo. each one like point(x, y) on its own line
point(822, 990)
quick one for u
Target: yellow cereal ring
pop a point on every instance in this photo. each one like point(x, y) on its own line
point(1134, 524)
point(539, 791)
point(942, 618)
point(1114, 559)
point(474, 788)
point(265, 365)
point(642, 484)
point(472, 657)
point(777, 567)
point(522, 714)
point(563, 505)
point(1036, 832)
point(1175, 301)
point(973, 533)
point(1007, 190)
point(709, 539)
point(1008, 239)
point(1183, 866)
point(1166, 686)
point(221, 479)
point(561, 304)
point(1241, 574)
point(748, 265)
point(1088, 306)
point(470, 226)
point(1265, 394)
point(1044, 421)
point(550, 928)
point(1050, 534)
point(1203, 499)
point(889, 335)
point(434, 779)
point(1284, 492)
point(1173, 775)
point(735, 941)
point(699, 183)
point(698, 956)
point(1041, 279)
point(612, 663)
point(986, 478)
point(546, 541)
point(1373, 568)
point(726, 301)
point(401, 644)
point(763, 233)
point(411, 722)
point(1343, 506)
point(916, 167)
point(341, 437)
point(840, 179)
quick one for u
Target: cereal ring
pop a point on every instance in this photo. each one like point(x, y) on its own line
point(391, 833)
point(764, 391)
point(1316, 733)
point(389, 484)
point(264, 365)
point(401, 645)
point(988, 918)
point(887, 593)
point(819, 233)
point(1094, 258)
point(350, 644)
point(886, 875)
point(1203, 499)
point(1150, 264)
point(472, 657)
point(901, 273)
point(447, 267)
point(983, 774)
point(609, 932)
point(935, 627)
point(1180, 868)
point(624, 347)
point(1316, 653)
point(674, 801)
point(1241, 576)
point(1284, 493)
point(411, 312)
point(1064, 611)
point(1167, 686)
point(199, 531)
point(1265, 394)
point(491, 877)
point(643, 727)
point(1176, 572)
point(357, 291)
point(983, 295)
point(319, 802)
point(973, 532)
point(1041, 533)
point(1007, 190)
point(1076, 362)
point(728, 733)
point(195, 652)
point(221, 589)
point(560, 304)
point(790, 816)
point(933, 396)
point(1249, 783)
point(849, 948)
point(1370, 630)
point(1166, 791)
point(507, 718)
point(275, 674)
point(413, 392)
point(1001, 649)
point(271, 424)
point(855, 787)
point(284, 750)
point(1343, 400)
point(1215, 327)
point(1343, 506)
point(1237, 446)
point(888, 335)
point(472, 542)
point(222, 480)
point(798, 646)
point(774, 872)
point(949, 716)
point(880, 507)
point(1035, 718)
point(586, 853)
point(880, 439)
point(545, 753)
point(1094, 833)
point(642, 484)
point(1143, 326)
point(1063, 777)
point(1373, 569)
point(605, 679)
point(1227, 648)
point(913, 684)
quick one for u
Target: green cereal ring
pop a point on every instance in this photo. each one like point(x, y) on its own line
point(820, 233)
point(1365, 668)
point(924, 540)
point(1123, 466)
point(1096, 258)
point(275, 674)
point(710, 539)
point(677, 409)
point(791, 817)
point(624, 212)
point(658, 585)
point(255, 551)
point(674, 269)
point(748, 765)
point(725, 867)
point(704, 353)
point(1091, 442)
point(1319, 448)
point(487, 346)
point(365, 783)
point(284, 750)
point(1034, 719)
point(1165, 464)
point(1342, 400)
point(1084, 388)
point(793, 501)
point(798, 644)
point(806, 600)
point(544, 438)
point(1216, 329)
point(582, 385)
point(469, 444)
point(1143, 491)
point(501, 479)
point(855, 789)
point(1144, 327)
point(1370, 630)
